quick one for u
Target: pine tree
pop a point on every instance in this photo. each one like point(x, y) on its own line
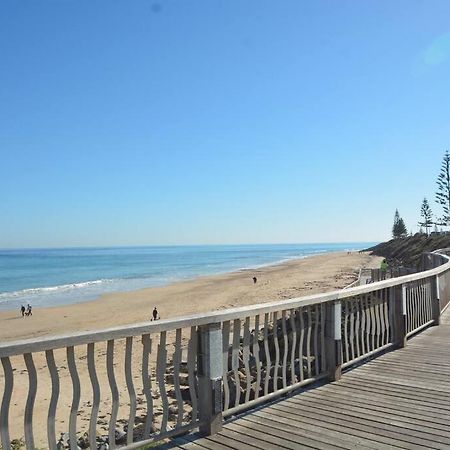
point(402, 231)
point(399, 228)
point(395, 226)
point(426, 214)
point(443, 192)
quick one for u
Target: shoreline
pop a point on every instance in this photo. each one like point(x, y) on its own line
point(126, 291)
point(157, 285)
point(92, 285)
point(278, 281)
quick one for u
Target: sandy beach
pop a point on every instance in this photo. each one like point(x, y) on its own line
point(288, 280)
point(278, 282)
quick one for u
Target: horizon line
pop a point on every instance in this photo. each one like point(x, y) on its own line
point(82, 247)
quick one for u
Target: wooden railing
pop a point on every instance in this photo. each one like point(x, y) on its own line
point(142, 363)
point(272, 353)
point(366, 325)
point(154, 380)
point(440, 257)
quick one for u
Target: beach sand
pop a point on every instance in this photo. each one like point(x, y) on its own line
point(278, 282)
point(292, 279)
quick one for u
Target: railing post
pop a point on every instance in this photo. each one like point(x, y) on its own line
point(423, 262)
point(333, 343)
point(375, 275)
point(210, 378)
point(397, 308)
point(436, 302)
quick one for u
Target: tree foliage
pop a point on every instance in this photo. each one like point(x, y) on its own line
point(427, 215)
point(399, 228)
point(402, 231)
point(443, 192)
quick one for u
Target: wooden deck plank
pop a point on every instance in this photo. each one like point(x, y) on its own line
point(386, 422)
point(422, 362)
point(397, 390)
point(293, 441)
point(339, 423)
point(239, 441)
point(390, 393)
point(257, 438)
point(414, 415)
point(360, 438)
point(267, 440)
point(385, 401)
point(410, 373)
point(406, 370)
point(436, 387)
point(406, 398)
point(337, 440)
point(192, 444)
point(433, 395)
point(391, 417)
point(378, 427)
point(302, 424)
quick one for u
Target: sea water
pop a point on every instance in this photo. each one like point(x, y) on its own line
point(50, 277)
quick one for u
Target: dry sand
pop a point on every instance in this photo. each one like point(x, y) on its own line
point(292, 279)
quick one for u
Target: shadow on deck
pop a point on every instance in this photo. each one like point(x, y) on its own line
point(398, 400)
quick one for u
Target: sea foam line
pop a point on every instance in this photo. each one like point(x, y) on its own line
point(60, 288)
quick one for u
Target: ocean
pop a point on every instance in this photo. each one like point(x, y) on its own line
point(50, 277)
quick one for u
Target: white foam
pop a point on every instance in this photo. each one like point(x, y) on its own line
point(52, 289)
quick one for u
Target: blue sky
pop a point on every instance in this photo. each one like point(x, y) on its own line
point(144, 122)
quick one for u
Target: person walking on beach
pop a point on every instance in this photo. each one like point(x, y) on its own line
point(155, 314)
point(255, 280)
point(29, 313)
point(22, 310)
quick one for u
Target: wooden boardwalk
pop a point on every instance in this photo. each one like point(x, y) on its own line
point(398, 400)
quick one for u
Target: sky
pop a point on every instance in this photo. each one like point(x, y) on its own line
point(234, 121)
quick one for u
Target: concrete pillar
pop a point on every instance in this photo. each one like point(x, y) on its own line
point(333, 343)
point(436, 302)
point(397, 314)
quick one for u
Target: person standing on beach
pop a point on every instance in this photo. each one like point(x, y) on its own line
point(29, 313)
point(155, 314)
point(22, 310)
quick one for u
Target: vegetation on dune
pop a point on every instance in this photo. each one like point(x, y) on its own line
point(407, 251)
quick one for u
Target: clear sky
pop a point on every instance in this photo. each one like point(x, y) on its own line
point(130, 122)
